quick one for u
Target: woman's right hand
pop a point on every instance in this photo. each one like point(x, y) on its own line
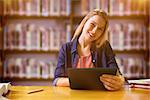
point(63, 82)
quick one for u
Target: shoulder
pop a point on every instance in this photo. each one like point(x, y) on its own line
point(108, 48)
point(106, 45)
point(66, 46)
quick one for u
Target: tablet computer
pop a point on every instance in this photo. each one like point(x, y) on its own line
point(88, 78)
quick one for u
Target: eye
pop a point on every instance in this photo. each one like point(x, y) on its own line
point(101, 29)
point(92, 24)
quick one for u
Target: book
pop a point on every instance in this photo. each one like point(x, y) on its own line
point(68, 7)
point(68, 32)
point(127, 36)
point(25, 36)
point(92, 4)
point(4, 88)
point(55, 7)
point(63, 7)
point(45, 7)
point(29, 68)
point(132, 67)
point(104, 5)
point(141, 83)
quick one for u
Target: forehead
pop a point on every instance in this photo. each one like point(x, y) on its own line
point(100, 21)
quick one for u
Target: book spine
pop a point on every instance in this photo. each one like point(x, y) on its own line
point(128, 36)
point(132, 67)
point(29, 68)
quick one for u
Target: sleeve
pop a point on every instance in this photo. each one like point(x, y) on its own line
point(110, 57)
point(54, 81)
point(60, 69)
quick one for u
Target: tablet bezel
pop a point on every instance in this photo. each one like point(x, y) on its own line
point(88, 78)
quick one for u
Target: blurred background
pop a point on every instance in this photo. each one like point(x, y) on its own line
point(32, 32)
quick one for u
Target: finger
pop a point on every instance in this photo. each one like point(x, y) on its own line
point(108, 84)
point(114, 81)
point(109, 88)
point(110, 80)
point(114, 77)
point(109, 76)
point(111, 83)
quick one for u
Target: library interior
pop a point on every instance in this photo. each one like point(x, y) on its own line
point(33, 31)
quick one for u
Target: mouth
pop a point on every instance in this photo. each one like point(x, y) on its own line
point(90, 34)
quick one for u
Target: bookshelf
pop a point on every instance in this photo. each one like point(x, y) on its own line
point(119, 17)
point(129, 38)
point(34, 30)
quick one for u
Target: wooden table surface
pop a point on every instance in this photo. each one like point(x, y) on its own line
point(65, 93)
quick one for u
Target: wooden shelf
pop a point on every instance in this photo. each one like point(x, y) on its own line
point(56, 51)
point(27, 79)
point(130, 51)
point(31, 51)
point(136, 17)
point(35, 17)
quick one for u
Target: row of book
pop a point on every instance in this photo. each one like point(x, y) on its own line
point(37, 7)
point(117, 7)
point(63, 7)
point(123, 36)
point(132, 67)
point(129, 7)
point(127, 36)
point(29, 68)
point(89, 5)
point(32, 37)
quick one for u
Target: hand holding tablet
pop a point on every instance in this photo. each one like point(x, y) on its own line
point(88, 78)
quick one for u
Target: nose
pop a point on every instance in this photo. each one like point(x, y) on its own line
point(94, 29)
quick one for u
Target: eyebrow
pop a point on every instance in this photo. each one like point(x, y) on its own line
point(98, 25)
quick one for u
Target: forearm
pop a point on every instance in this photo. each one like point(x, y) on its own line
point(62, 82)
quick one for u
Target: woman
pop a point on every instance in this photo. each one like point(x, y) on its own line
point(88, 49)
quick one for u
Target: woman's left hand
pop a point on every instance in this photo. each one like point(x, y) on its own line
point(112, 82)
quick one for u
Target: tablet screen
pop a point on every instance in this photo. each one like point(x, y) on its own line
point(88, 78)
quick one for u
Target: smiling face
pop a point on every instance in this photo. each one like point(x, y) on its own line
point(93, 28)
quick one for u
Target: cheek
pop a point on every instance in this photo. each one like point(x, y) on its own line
point(98, 35)
point(87, 27)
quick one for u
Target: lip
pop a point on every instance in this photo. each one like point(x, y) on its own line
point(90, 34)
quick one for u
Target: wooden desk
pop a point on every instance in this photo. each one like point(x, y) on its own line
point(63, 93)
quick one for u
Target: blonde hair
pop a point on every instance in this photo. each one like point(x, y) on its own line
point(103, 37)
